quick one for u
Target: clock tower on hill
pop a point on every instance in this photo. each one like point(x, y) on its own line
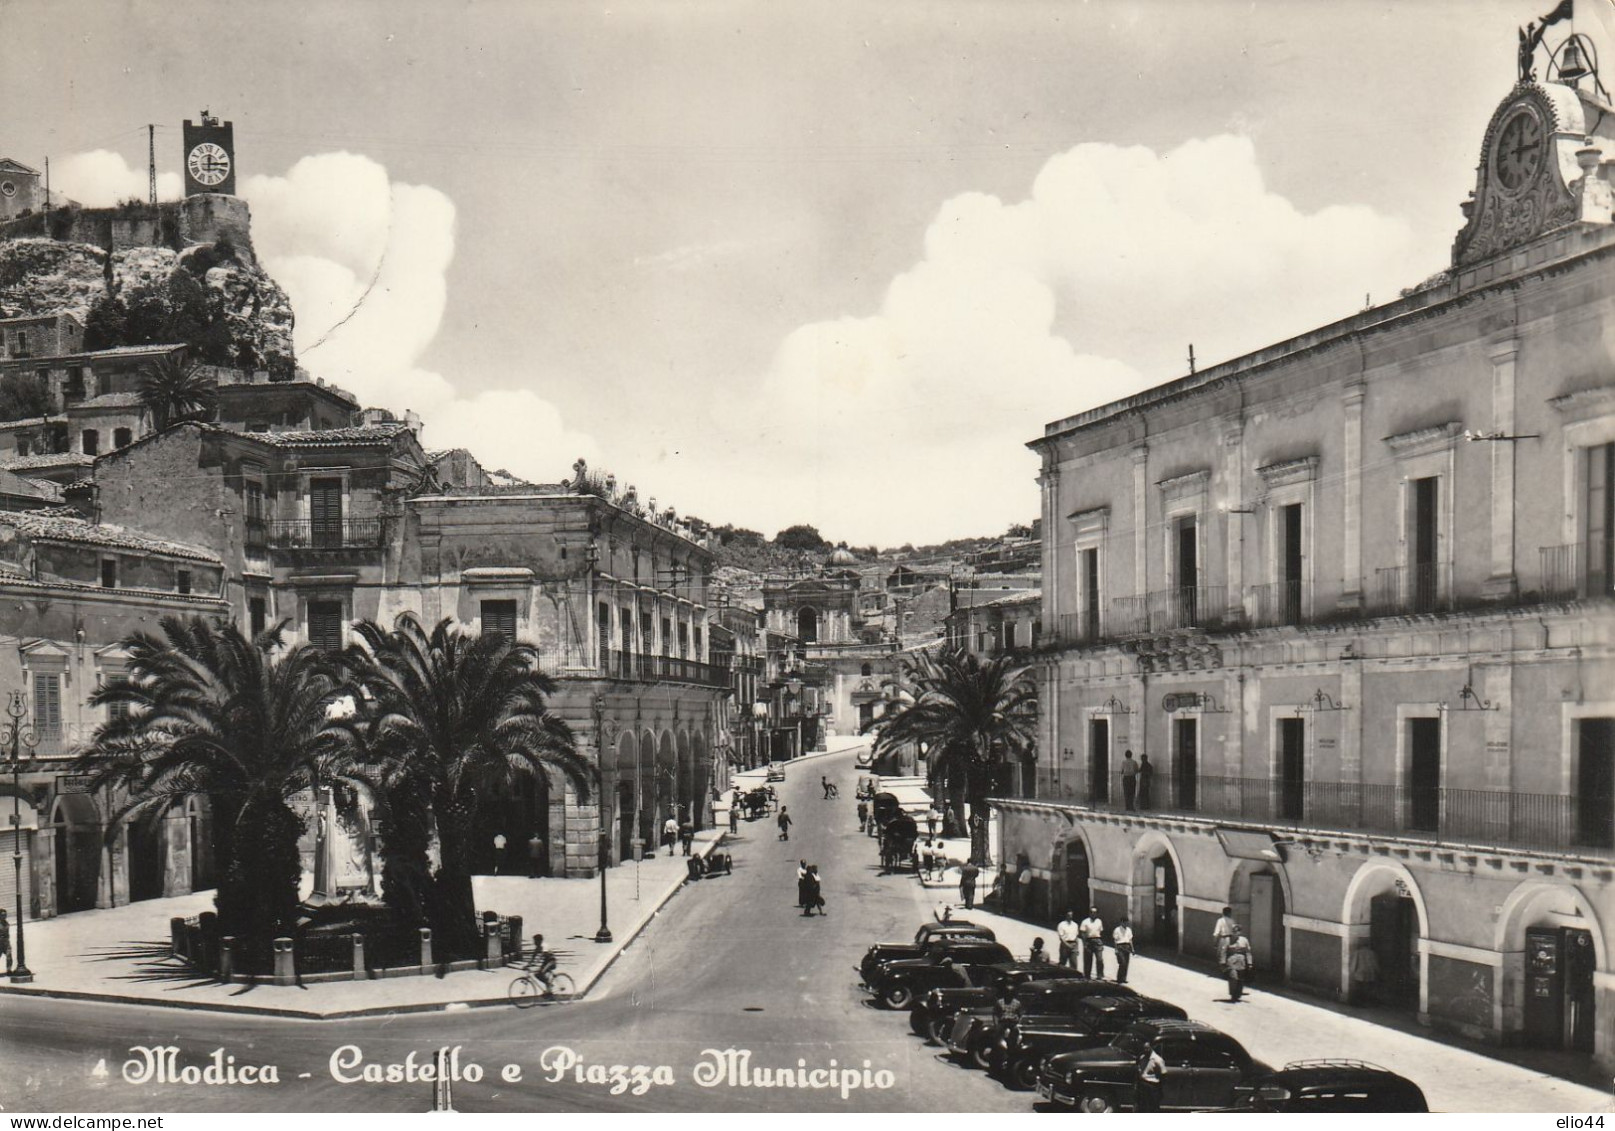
point(210, 156)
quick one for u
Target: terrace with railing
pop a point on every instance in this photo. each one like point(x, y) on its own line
point(617, 663)
point(1451, 816)
point(341, 534)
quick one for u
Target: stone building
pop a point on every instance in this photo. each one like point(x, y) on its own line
point(72, 590)
point(1350, 594)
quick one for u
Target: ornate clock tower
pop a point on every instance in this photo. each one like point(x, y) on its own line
point(210, 156)
point(1547, 154)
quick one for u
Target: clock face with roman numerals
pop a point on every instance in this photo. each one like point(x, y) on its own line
point(1520, 149)
point(208, 164)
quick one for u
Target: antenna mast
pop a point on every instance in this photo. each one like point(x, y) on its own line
point(151, 161)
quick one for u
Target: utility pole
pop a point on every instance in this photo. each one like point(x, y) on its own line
point(47, 197)
point(1191, 359)
point(151, 161)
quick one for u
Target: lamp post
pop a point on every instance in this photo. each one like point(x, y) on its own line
point(17, 734)
point(603, 935)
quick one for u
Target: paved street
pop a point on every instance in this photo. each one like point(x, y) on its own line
point(728, 963)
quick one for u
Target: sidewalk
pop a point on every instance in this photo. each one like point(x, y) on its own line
point(1279, 1028)
point(121, 954)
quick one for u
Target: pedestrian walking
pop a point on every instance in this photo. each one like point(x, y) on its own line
point(928, 859)
point(1122, 940)
point(1070, 936)
point(933, 818)
point(686, 834)
point(812, 892)
point(734, 814)
point(784, 822)
point(1037, 956)
point(967, 884)
point(802, 884)
point(824, 783)
point(1146, 780)
point(1129, 782)
point(1239, 965)
point(1223, 932)
point(5, 938)
point(670, 833)
point(498, 853)
point(1092, 930)
point(863, 814)
point(535, 856)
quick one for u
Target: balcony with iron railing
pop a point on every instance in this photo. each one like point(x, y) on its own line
point(620, 664)
point(345, 534)
point(1280, 603)
point(1578, 572)
point(1540, 821)
point(1401, 590)
point(255, 535)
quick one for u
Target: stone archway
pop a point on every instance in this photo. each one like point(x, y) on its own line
point(1157, 883)
point(1523, 983)
point(666, 781)
point(75, 829)
point(1071, 876)
point(1259, 893)
point(623, 797)
point(645, 787)
point(1384, 910)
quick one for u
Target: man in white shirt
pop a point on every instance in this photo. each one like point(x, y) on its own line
point(1122, 939)
point(1070, 938)
point(1223, 934)
point(1092, 930)
point(670, 833)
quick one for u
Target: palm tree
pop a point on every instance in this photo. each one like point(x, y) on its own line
point(972, 717)
point(461, 717)
point(210, 712)
point(175, 390)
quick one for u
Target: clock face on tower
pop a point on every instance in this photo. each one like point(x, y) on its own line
point(208, 164)
point(1520, 149)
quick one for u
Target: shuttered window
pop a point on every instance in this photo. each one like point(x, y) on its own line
point(500, 617)
point(325, 511)
point(48, 703)
point(325, 625)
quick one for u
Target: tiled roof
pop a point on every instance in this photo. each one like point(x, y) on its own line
point(1022, 597)
point(13, 484)
point(31, 422)
point(111, 400)
point(58, 527)
point(365, 434)
point(49, 459)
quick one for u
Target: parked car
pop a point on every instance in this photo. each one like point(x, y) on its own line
point(1095, 1021)
point(945, 962)
point(933, 1014)
point(1331, 1085)
point(885, 952)
point(976, 1032)
point(1153, 1066)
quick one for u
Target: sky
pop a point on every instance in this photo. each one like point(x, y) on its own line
point(775, 263)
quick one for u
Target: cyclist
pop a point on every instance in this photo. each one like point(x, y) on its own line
point(543, 962)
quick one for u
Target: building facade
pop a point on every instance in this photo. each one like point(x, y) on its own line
point(1350, 596)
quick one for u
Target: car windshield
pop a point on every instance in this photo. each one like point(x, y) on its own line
point(1132, 1042)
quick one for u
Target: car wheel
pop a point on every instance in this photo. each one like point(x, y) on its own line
point(981, 1055)
point(898, 997)
point(1022, 1074)
point(936, 1030)
point(1096, 1103)
point(919, 1021)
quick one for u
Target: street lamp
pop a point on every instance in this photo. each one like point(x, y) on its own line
point(603, 848)
point(17, 734)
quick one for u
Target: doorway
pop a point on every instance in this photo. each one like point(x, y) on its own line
point(1595, 784)
point(625, 820)
point(1292, 768)
point(1164, 921)
point(145, 861)
point(807, 625)
point(1393, 934)
point(1187, 769)
point(1098, 761)
point(1424, 774)
point(517, 815)
point(1077, 896)
point(1267, 921)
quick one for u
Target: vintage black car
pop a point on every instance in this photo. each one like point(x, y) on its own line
point(1095, 1021)
point(1152, 1066)
point(976, 1032)
point(1331, 1085)
point(933, 1014)
point(945, 962)
point(957, 928)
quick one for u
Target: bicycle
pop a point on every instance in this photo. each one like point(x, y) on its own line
point(535, 985)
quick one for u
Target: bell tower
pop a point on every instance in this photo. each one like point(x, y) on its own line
point(210, 156)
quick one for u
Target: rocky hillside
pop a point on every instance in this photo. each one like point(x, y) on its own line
point(220, 303)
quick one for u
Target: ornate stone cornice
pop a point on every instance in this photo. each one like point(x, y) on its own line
point(1433, 438)
point(1286, 472)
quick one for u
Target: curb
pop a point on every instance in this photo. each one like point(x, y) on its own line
point(289, 1014)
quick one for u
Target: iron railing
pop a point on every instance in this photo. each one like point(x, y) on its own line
point(1577, 572)
point(349, 533)
point(1468, 816)
point(1281, 603)
point(1408, 589)
point(619, 664)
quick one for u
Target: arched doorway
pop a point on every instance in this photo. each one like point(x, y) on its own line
point(1256, 893)
point(807, 625)
point(645, 784)
point(1386, 899)
point(666, 781)
point(76, 830)
point(1156, 882)
point(200, 820)
point(516, 814)
point(684, 778)
point(1164, 922)
point(1554, 930)
point(1074, 874)
point(627, 760)
point(145, 859)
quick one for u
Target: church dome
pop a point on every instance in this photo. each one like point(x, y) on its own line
point(842, 557)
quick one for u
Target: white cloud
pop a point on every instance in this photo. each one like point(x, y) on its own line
point(100, 179)
point(365, 261)
point(909, 423)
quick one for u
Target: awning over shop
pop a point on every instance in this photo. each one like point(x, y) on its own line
point(1243, 844)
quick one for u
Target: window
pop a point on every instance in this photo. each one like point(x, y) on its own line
point(1598, 504)
point(1289, 563)
point(90, 442)
point(667, 636)
point(684, 641)
point(1185, 571)
point(325, 625)
point(647, 634)
point(48, 704)
point(122, 437)
point(109, 573)
point(1424, 774)
point(22, 343)
point(500, 617)
point(22, 445)
point(257, 615)
point(182, 580)
point(1422, 519)
point(117, 711)
point(325, 512)
point(1089, 604)
point(603, 623)
point(697, 631)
